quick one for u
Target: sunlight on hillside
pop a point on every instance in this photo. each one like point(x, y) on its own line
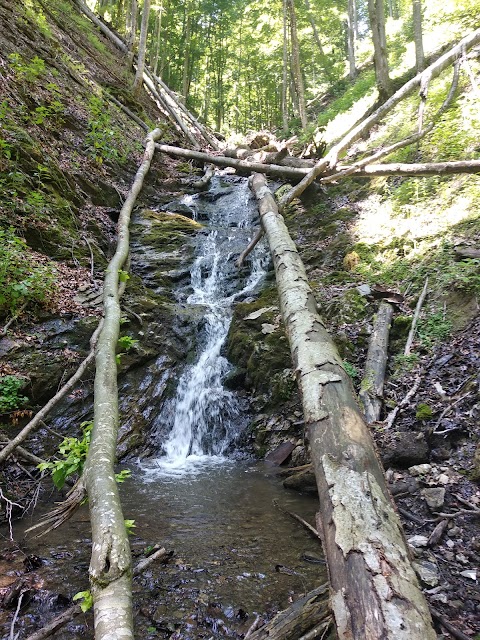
point(380, 220)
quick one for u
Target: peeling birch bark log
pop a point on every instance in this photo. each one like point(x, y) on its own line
point(376, 364)
point(374, 589)
point(110, 565)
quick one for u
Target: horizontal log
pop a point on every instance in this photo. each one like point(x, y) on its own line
point(416, 169)
point(241, 165)
point(295, 174)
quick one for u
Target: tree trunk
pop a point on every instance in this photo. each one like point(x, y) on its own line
point(285, 69)
point(376, 14)
point(142, 47)
point(371, 393)
point(323, 58)
point(132, 30)
point(352, 73)
point(110, 564)
point(418, 35)
point(374, 589)
point(296, 67)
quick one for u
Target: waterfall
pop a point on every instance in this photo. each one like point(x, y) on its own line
point(205, 412)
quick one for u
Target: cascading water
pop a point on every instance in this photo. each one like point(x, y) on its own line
point(205, 411)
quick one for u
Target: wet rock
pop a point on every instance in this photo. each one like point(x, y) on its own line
point(420, 469)
point(304, 481)
point(427, 572)
point(281, 453)
point(434, 497)
point(181, 208)
point(406, 449)
point(364, 290)
point(418, 541)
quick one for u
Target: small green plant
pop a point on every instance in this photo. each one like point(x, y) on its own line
point(423, 412)
point(433, 329)
point(127, 343)
point(86, 598)
point(10, 400)
point(73, 452)
point(350, 369)
point(23, 278)
point(123, 276)
point(404, 364)
point(27, 71)
point(130, 526)
point(100, 139)
point(123, 475)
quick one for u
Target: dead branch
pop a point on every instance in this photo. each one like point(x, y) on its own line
point(255, 240)
point(393, 414)
point(126, 110)
point(306, 613)
point(416, 316)
point(416, 137)
point(23, 453)
point(456, 633)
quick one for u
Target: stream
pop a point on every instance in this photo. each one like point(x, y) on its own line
point(235, 553)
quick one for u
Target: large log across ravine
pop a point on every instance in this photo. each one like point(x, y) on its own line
point(295, 174)
point(374, 590)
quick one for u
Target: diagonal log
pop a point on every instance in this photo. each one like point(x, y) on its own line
point(374, 589)
point(331, 159)
point(110, 564)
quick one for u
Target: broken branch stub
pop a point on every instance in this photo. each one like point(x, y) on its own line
point(375, 592)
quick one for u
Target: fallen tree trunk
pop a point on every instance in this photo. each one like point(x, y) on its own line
point(110, 564)
point(415, 169)
point(295, 174)
point(374, 589)
point(371, 393)
point(118, 42)
point(331, 159)
point(241, 165)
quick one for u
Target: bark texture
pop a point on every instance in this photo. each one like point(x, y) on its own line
point(110, 565)
point(418, 35)
point(142, 48)
point(374, 589)
point(376, 364)
point(376, 14)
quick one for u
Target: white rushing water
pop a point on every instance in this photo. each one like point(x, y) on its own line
point(205, 411)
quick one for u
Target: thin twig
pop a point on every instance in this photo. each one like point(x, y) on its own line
point(393, 414)
point(251, 246)
point(253, 627)
point(12, 635)
point(12, 320)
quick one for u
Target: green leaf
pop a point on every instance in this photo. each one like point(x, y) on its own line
point(123, 276)
point(87, 600)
